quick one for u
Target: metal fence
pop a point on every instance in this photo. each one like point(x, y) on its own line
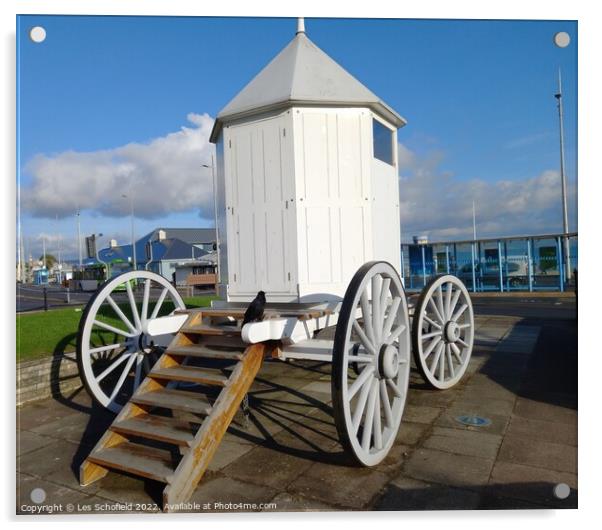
point(526, 263)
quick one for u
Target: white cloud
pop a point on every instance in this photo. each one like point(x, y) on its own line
point(165, 176)
point(439, 204)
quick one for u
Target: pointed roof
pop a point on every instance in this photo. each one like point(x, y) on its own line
point(302, 74)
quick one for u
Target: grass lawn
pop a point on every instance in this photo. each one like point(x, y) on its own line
point(44, 333)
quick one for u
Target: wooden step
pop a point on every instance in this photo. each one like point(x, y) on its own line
point(159, 428)
point(203, 352)
point(148, 462)
point(171, 398)
point(205, 329)
point(190, 374)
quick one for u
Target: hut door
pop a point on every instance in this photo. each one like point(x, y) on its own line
point(259, 210)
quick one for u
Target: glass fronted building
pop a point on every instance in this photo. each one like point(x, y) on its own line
point(526, 263)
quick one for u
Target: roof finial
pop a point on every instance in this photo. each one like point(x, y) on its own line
point(300, 25)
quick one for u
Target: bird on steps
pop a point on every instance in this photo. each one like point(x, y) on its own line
point(254, 312)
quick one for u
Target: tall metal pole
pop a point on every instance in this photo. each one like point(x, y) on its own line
point(474, 222)
point(565, 218)
point(133, 236)
point(79, 239)
point(215, 219)
point(131, 197)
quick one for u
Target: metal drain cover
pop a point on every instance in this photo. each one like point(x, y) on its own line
point(473, 420)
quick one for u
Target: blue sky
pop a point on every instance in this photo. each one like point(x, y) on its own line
point(121, 97)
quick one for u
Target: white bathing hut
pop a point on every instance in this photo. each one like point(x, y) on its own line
point(307, 180)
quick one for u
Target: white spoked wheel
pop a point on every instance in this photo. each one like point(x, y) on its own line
point(371, 362)
point(115, 344)
point(443, 331)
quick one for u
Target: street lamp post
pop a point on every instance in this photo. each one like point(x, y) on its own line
point(212, 166)
point(131, 197)
point(79, 238)
point(565, 220)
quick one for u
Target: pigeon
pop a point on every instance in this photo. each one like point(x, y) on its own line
point(254, 312)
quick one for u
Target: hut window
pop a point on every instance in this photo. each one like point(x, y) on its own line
point(382, 138)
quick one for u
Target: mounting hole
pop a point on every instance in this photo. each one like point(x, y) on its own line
point(562, 491)
point(37, 34)
point(562, 39)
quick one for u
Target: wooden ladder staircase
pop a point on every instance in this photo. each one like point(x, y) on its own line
point(169, 434)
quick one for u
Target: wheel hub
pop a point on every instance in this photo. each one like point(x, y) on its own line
point(452, 331)
point(388, 361)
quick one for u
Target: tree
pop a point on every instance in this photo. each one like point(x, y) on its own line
point(50, 260)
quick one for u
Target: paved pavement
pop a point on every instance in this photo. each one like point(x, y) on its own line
point(522, 377)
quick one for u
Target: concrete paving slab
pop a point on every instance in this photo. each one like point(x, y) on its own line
point(411, 433)
point(285, 502)
point(444, 468)
point(344, 486)
point(489, 387)
point(405, 493)
point(57, 501)
point(29, 441)
point(533, 484)
point(267, 466)
point(548, 455)
point(537, 410)
point(474, 403)
point(121, 488)
point(464, 442)
point(227, 452)
point(226, 494)
point(421, 413)
point(548, 431)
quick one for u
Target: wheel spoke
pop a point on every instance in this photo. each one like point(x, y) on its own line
point(121, 314)
point(360, 407)
point(378, 433)
point(122, 377)
point(159, 303)
point(92, 351)
point(461, 341)
point(454, 301)
point(448, 294)
point(459, 313)
point(395, 333)
point(456, 351)
point(436, 311)
point(450, 364)
point(437, 357)
point(364, 340)
point(367, 317)
point(394, 388)
point(138, 374)
point(431, 347)
point(384, 397)
point(440, 302)
point(128, 288)
point(442, 365)
point(464, 326)
point(144, 312)
point(368, 423)
point(432, 322)
point(115, 330)
point(359, 358)
point(391, 316)
point(427, 336)
point(376, 324)
point(384, 295)
point(364, 376)
point(112, 367)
